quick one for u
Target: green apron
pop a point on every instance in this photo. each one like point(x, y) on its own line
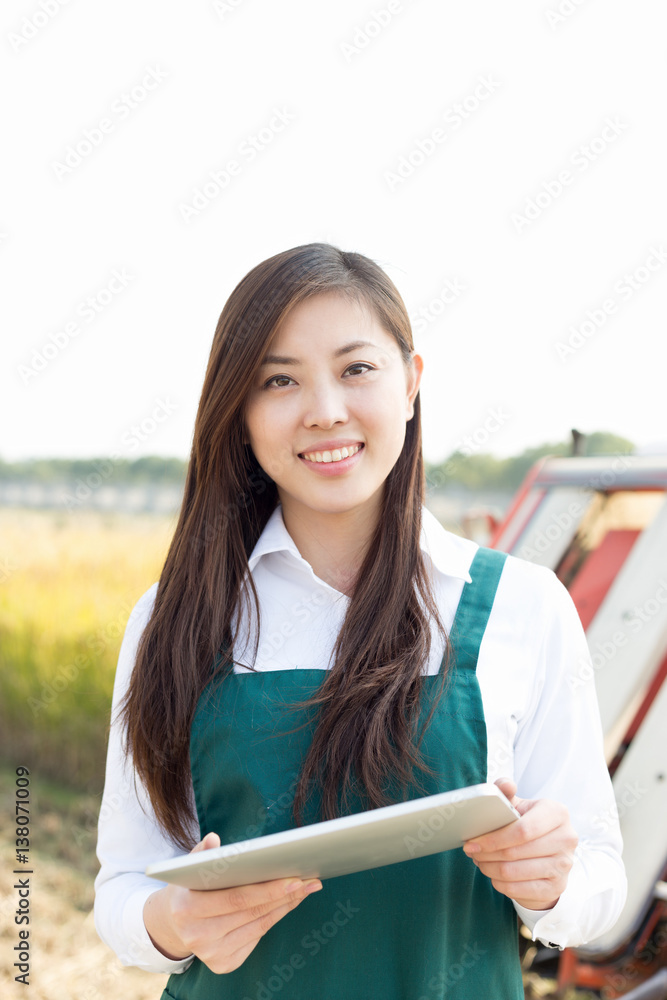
point(425, 929)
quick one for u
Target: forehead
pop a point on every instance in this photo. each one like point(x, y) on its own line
point(329, 322)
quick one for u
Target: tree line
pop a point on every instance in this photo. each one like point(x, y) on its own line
point(469, 471)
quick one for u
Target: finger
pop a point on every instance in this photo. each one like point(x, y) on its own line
point(239, 942)
point(219, 902)
point(554, 867)
point(210, 840)
point(552, 843)
point(229, 922)
point(507, 787)
point(204, 934)
point(540, 819)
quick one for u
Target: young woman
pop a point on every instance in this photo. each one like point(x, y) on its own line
point(318, 644)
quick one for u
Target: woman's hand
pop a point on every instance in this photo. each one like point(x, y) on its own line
point(528, 860)
point(219, 926)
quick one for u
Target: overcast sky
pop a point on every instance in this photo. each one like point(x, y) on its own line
point(505, 163)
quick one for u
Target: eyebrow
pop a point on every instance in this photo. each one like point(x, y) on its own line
point(279, 359)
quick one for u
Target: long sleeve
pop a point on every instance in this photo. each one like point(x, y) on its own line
point(558, 754)
point(128, 834)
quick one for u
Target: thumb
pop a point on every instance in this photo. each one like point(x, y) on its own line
point(210, 840)
point(508, 788)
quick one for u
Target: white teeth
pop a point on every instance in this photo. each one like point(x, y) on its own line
point(332, 456)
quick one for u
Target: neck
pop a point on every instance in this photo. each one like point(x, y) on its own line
point(334, 544)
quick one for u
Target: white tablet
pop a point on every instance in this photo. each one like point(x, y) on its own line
point(347, 844)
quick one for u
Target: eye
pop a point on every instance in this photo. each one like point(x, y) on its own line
point(359, 364)
point(267, 385)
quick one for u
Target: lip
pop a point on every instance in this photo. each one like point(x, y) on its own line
point(334, 468)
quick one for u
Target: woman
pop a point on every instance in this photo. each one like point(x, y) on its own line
point(318, 644)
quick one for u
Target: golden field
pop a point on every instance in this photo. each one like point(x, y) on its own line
point(67, 585)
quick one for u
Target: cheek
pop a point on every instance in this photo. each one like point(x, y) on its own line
point(386, 414)
point(262, 426)
point(391, 429)
point(270, 440)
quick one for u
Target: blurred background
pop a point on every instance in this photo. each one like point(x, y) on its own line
point(504, 164)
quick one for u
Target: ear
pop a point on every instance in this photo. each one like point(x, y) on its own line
point(414, 381)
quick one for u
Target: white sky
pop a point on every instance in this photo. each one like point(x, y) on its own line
point(220, 71)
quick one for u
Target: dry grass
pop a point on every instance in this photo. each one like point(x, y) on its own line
point(67, 586)
point(68, 960)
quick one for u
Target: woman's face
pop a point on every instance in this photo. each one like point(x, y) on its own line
point(319, 389)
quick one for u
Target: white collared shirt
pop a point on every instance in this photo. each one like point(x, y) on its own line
point(543, 729)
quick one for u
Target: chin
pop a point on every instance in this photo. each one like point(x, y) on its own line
point(323, 504)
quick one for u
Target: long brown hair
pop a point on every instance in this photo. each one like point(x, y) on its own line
point(370, 698)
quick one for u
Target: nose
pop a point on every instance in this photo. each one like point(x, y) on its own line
point(325, 404)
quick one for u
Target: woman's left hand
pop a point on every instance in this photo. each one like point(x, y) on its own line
point(530, 859)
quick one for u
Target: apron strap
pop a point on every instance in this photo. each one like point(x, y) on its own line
point(474, 608)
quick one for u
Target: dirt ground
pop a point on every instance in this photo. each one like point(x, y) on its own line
point(68, 960)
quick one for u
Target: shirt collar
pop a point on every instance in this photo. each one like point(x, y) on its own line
point(449, 553)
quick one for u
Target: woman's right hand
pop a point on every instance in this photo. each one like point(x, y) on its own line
point(220, 926)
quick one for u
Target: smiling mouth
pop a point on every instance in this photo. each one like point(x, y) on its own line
point(333, 456)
